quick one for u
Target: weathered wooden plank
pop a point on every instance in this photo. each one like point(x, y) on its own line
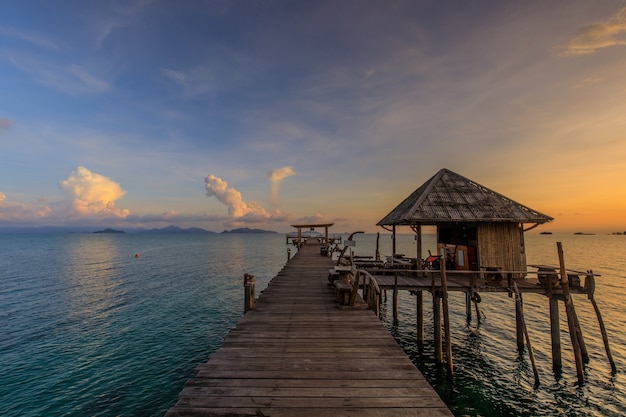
point(327, 392)
point(313, 402)
point(312, 412)
point(307, 383)
point(326, 375)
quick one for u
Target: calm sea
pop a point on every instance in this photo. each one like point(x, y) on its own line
point(89, 329)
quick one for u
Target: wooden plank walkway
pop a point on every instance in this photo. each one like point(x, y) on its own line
point(298, 355)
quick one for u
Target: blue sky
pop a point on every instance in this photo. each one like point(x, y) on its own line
point(222, 114)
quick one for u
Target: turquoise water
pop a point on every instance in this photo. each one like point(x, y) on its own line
point(88, 329)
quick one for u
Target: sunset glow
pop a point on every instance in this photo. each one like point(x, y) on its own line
point(144, 114)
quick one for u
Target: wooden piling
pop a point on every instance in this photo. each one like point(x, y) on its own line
point(519, 327)
point(377, 246)
point(555, 334)
point(419, 318)
point(437, 327)
point(395, 299)
point(519, 302)
point(468, 306)
point(248, 284)
point(591, 286)
point(446, 321)
point(570, 316)
point(579, 334)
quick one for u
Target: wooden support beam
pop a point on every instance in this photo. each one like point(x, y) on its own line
point(519, 302)
point(446, 321)
point(570, 316)
point(579, 334)
point(395, 299)
point(591, 285)
point(519, 327)
point(437, 327)
point(555, 335)
point(419, 318)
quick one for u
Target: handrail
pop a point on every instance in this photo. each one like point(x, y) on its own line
point(372, 291)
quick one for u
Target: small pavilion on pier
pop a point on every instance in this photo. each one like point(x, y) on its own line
point(310, 227)
point(477, 228)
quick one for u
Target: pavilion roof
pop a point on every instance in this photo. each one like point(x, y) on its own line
point(450, 197)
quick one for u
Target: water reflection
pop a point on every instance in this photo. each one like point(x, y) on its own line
point(90, 270)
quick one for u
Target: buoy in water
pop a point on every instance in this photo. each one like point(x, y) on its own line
point(136, 255)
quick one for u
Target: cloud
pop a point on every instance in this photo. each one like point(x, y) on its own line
point(598, 36)
point(12, 212)
point(5, 123)
point(123, 15)
point(91, 82)
point(589, 81)
point(237, 208)
point(176, 76)
point(72, 79)
point(317, 218)
point(93, 195)
point(29, 37)
point(276, 176)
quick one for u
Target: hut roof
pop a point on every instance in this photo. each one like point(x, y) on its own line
point(450, 197)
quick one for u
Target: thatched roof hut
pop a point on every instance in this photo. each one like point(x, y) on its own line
point(485, 224)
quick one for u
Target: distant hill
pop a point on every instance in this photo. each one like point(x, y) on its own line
point(248, 230)
point(176, 229)
point(89, 229)
point(110, 231)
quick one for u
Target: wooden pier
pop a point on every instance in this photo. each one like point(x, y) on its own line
point(297, 354)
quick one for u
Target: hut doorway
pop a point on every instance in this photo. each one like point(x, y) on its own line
point(457, 244)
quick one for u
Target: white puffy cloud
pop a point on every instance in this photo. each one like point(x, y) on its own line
point(237, 208)
point(276, 176)
point(93, 195)
point(279, 174)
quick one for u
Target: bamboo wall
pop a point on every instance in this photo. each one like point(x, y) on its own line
point(501, 245)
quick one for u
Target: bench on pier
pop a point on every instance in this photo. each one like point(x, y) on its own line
point(345, 279)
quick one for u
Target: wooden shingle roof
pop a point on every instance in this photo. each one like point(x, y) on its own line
point(450, 197)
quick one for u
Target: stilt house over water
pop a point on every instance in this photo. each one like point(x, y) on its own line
point(477, 228)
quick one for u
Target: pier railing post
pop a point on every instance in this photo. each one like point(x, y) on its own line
point(248, 284)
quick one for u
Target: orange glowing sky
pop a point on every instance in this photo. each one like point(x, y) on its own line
point(265, 114)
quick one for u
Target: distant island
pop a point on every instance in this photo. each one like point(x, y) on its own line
point(247, 230)
point(109, 231)
point(176, 229)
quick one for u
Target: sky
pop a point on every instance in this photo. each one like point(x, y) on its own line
point(262, 114)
